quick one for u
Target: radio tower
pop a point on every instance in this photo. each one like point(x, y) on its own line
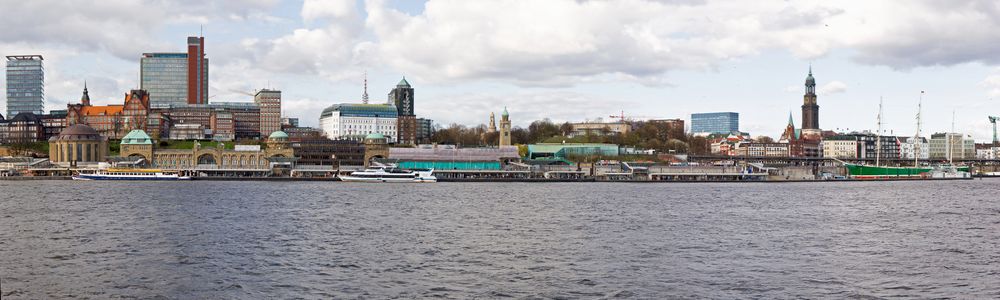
point(364, 95)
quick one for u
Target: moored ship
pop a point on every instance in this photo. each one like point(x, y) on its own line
point(129, 174)
point(390, 174)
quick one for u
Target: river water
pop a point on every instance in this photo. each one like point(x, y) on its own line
point(266, 240)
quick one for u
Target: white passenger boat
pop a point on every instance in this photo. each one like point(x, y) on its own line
point(390, 174)
point(129, 174)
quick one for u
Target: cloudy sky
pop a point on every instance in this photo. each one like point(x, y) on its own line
point(567, 60)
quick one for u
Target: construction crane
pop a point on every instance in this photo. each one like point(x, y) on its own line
point(993, 119)
point(623, 118)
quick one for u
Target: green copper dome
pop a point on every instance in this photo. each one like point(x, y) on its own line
point(278, 135)
point(505, 112)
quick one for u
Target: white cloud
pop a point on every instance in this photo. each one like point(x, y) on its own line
point(992, 85)
point(833, 87)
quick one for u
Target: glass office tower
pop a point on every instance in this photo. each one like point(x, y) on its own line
point(25, 85)
point(717, 122)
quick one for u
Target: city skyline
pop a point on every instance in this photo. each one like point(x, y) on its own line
point(566, 69)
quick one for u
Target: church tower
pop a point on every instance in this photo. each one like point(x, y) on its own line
point(493, 123)
point(85, 99)
point(504, 128)
point(810, 110)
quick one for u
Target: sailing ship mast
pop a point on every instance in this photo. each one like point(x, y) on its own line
point(948, 138)
point(878, 135)
point(916, 138)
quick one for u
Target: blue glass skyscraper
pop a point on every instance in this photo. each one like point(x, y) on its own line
point(25, 85)
point(717, 122)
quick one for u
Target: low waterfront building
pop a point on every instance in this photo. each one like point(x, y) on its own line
point(598, 128)
point(952, 146)
point(449, 157)
point(78, 144)
point(277, 152)
point(754, 149)
point(566, 150)
point(355, 121)
point(320, 151)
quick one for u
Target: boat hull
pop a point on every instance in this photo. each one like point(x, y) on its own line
point(126, 177)
point(386, 180)
point(871, 172)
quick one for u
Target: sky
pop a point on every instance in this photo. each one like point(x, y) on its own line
point(566, 60)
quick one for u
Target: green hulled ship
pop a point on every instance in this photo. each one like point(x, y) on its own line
point(873, 172)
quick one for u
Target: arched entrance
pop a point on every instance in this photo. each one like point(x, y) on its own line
point(139, 160)
point(206, 159)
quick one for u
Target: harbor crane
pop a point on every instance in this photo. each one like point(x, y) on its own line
point(993, 119)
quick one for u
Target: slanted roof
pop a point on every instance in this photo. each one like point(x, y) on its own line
point(403, 82)
point(102, 110)
point(137, 137)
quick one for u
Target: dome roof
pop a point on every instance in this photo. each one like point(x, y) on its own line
point(278, 135)
point(79, 132)
point(505, 114)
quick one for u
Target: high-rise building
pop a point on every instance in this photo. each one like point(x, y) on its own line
point(425, 129)
point(269, 102)
point(402, 98)
point(810, 110)
point(169, 79)
point(504, 128)
point(716, 122)
point(25, 85)
point(197, 83)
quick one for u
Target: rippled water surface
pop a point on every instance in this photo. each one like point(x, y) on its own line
point(201, 239)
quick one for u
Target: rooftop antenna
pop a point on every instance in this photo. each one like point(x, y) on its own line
point(201, 30)
point(364, 96)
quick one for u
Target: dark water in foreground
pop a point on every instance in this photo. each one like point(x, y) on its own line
point(258, 240)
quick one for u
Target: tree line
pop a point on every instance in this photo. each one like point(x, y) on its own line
point(643, 135)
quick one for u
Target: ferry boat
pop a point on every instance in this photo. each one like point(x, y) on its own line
point(129, 174)
point(390, 174)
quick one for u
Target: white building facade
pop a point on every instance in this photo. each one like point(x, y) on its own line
point(913, 148)
point(355, 121)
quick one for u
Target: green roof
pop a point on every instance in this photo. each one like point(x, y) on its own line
point(505, 112)
point(137, 137)
point(403, 82)
point(278, 135)
point(374, 136)
point(361, 110)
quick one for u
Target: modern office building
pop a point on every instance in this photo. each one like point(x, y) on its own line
point(355, 121)
point(402, 98)
point(269, 102)
point(914, 148)
point(716, 122)
point(951, 146)
point(425, 129)
point(25, 85)
point(176, 78)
